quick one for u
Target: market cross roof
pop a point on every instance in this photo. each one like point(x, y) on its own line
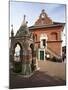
point(23, 30)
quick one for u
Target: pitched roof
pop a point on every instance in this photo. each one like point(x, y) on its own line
point(23, 30)
point(46, 26)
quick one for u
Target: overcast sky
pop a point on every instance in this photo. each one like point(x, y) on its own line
point(32, 10)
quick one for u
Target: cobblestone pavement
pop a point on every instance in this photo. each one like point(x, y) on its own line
point(39, 79)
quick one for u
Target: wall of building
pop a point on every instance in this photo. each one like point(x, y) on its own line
point(53, 44)
point(55, 47)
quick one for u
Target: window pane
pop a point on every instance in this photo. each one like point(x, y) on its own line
point(44, 42)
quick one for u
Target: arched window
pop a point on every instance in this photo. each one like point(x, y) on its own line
point(54, 36)
point(35, 37)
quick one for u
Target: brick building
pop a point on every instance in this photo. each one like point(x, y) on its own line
point(47, 35)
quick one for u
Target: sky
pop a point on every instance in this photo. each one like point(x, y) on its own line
point(32, 11)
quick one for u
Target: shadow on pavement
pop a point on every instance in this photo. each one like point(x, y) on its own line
point(38, 79)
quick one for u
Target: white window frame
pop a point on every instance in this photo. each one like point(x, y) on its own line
point(43, 36)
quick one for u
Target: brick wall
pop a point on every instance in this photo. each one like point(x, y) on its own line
point(54, 45)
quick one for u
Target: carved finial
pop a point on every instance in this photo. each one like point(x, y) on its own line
point(43, 10)
point(24, 21)
point(12, 33)
point(12, 26)
point(24, 17)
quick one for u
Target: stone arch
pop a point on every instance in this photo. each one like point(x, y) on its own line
point(32, 50)
point(32, 46)
point(20, 52)
point(18, 44)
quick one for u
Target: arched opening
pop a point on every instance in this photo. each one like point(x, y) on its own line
point(17, 53)
point(32, 47)
point(32, 50)
point(54, 36)
point(17, 58)
point(33, 57)
point(35, 37)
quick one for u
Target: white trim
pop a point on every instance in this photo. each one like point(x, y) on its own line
point(43, 36)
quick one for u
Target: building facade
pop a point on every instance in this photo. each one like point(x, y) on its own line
point(47, 35)
point(41, 41)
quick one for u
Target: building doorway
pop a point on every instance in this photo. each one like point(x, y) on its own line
point(41, 55)
point(43, 46)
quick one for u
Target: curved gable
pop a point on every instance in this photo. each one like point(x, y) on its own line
point(43, 19)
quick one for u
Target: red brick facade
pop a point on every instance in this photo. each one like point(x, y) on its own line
point(53, 30)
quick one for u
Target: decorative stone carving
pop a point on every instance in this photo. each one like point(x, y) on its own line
point(24, 38)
